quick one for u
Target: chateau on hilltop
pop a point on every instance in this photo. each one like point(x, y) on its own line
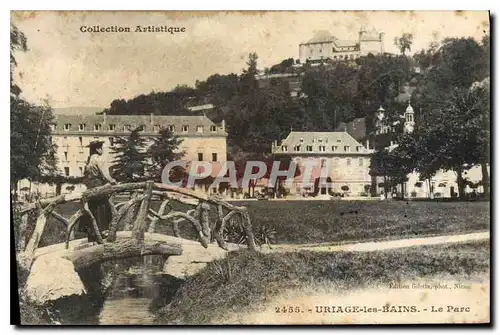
point(325, 46)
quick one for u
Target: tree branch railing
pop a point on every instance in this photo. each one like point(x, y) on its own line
point(137, 215)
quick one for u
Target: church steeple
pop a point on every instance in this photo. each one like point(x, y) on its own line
point(409, 118)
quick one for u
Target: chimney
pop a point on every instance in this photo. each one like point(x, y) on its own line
point(151, 118)
point(367, 144)
point(104, 115)
point(223, 125)
point(392, 143)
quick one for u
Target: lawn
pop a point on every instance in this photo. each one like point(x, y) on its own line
point(245, 281)
point(337, 221)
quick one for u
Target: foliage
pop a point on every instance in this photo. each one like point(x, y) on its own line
point(404, 42)
point(130, 162)
point(164, 149)
point(32, 151)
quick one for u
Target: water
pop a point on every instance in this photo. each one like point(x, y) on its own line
point(137, 290)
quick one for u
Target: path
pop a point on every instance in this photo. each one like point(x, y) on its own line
point(382, 245)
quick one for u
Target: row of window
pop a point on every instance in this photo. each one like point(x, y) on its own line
point(214, 157)
point(348, 162)
point(321, 148)
point(127, 127)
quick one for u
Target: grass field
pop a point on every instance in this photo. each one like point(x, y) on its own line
point(339, 221)
point(245, 281)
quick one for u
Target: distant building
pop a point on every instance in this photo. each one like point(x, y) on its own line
point(202, 139)
point(324, 46)
point(347, 159)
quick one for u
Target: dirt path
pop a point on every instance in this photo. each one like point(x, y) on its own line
point(383, 245)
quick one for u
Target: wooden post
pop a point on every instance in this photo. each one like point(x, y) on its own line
point(140, 224)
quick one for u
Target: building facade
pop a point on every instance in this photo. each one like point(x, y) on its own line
point(325, 46)
point(346, 161)
point(202, 140)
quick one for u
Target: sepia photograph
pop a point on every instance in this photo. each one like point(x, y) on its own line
point(250, 167)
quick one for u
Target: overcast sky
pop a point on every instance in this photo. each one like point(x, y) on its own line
point(72, 68)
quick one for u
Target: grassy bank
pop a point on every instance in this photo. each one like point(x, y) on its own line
point(244, 281)
point(336, 221)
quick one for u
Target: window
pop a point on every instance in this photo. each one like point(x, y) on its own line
point(171, 128)
point(81, 170)
point(200, 156)
point(339, 141)
point(199, 129)
point(309, 148)
point(111, 141)
point(358, 148)
point(66, 171)
point(156, 127)
point(348, 162)
point(67, 126)
point(314, 140)
point(214, 157)
point(97, 127)
point(112, 127)
point(81, 127)
point(296, 148)
point(347, 148)
point(335, 148)
point(320, 140)
point(323, 162)
point(361, 162)
point(322, 148)
point(185, 129)
point(53, 127)
point(65, 155)
point(301, 140)
point(284, 148)
point(126, 127)
point(213, 129)
point(80, 139)
point(336, 161)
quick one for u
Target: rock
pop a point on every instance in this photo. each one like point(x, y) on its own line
point(52, 278)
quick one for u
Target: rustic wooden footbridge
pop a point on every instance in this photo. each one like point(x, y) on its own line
point(131, 231)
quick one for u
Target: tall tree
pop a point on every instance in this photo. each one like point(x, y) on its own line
point(32, 150)
point(130, 161)
point(404, 42)
point(164, 149)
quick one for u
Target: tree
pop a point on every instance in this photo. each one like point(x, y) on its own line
point(130, 162)
point(404, 42)
point(163, 150)
point(32, 150)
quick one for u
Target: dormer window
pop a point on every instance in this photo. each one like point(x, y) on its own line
point(126, 127)
point(284, 148)
point(171, 128)
point(296, 148)
point(322, 148)
point(309, 148)
point(199, 129)
point(81, 127)
point(358, 148)
point(52, 127)
point(156, 127)
point(301, 140)
point(67, 126)
point(185, 129)
point(335, 148)
point(314, 140)
point(339, 141)
point(347, 148)
point(213, 129)
point(320, 140)
point(112, 127)
point(97, 127)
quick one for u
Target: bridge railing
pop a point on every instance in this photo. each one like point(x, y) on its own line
point(136, 214)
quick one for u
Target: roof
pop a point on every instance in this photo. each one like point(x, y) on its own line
point(345, 43)
point(356, 128)
point(120, 121)
point(321, 36)
point(339, 139)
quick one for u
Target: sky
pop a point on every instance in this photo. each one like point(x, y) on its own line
point(72, 68)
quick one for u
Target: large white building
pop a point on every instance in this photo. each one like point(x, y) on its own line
point(325, 46)
point(202, 140)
